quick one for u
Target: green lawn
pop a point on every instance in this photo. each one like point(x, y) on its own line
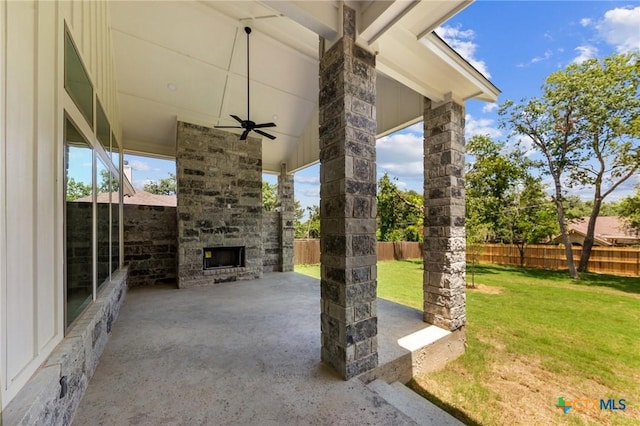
point(533, 335)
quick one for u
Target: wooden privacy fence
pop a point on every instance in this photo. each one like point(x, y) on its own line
point(307, 252)
point(609, 260)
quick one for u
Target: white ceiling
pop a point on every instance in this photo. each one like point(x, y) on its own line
point(199, 49)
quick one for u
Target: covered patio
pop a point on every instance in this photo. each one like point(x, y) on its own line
point(248, 353)
point(157, 78)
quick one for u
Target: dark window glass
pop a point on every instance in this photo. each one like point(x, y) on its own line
point(76, 80)
point(78, 222)
point(103, 221)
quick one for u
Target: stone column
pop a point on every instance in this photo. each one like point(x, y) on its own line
point(444, 232)
point(348, 205)
point(287, 213)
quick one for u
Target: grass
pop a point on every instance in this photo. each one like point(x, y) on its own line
point(532, 336)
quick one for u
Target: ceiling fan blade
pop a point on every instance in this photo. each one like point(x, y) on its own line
point(228, 127)
point(267, 135)
point(259, 126)
point(238, 119)
point(244, 135)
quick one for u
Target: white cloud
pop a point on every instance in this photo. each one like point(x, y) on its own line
point(544, 57)
point(312, 192)
point(489, 107)
point(139, 166)
point(140, 183)
point(621, 28)
point(585, 22)
point(416, 128)
point(462, 42)
point(308, 180)
point(585, 52)
point(480, 126)
point(400, 155)
point(547, 55)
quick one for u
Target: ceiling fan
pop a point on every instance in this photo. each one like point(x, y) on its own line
point(248, 125)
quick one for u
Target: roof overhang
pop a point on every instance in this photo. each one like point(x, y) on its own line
point(186, 60)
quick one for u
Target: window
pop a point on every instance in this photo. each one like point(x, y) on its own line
point(103, 222)
point(76, 80)
point(78, 221)
point(92, 190)
point(115, 206)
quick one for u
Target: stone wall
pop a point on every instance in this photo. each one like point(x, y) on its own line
point(52, 395)
point(348, 204)
point(444, 227)
point(271, 242)
point(219, 181)
point(151, 244)
point(286, 203)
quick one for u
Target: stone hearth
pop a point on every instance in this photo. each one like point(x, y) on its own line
point(219, 203)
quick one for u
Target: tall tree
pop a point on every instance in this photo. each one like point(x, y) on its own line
point(76, 189)
point(629, 210)
point(311, 228)
point(269, 196)
point(165, 186)
point(489, 180)
point(400, 213)
point(586, 125)
point(531, 216)
point(108, 183)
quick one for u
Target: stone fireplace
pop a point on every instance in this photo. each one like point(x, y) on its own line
point(219, 185)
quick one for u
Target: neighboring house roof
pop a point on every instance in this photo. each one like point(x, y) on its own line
point(609, 230)
point(140, 197)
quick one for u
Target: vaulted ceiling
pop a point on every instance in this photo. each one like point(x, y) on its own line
point(186, 60)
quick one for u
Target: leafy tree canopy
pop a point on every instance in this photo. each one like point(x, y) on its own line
point(400, 213)
point(165, 186)
point(586, 127)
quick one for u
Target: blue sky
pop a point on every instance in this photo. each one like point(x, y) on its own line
point(514, 43)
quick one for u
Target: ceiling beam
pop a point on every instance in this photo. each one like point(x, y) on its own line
point(379, 16)
point(321, 17)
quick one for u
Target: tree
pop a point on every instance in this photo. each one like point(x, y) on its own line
point(166, 186)
point(298, 214)
point(586, 126)
point(108, 183)
point(269, 196)
point(400, 213)
point(531, 216)
point(489, 180)
point(311, 228)
point(77, 189)
point(630, 211)
point(504, 201)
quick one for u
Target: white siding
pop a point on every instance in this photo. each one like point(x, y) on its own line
point(31, 170)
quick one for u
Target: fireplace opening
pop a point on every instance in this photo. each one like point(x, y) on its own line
point(223, 257)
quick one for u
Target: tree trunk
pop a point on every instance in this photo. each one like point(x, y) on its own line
point(521, 251)
point(591, 229)
point(568, 249)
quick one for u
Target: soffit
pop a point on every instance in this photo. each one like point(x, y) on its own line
point(200, 49)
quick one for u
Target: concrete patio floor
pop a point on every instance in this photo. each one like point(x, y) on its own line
point(236, 353)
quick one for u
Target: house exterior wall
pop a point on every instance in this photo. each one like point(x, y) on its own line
point(32, 107)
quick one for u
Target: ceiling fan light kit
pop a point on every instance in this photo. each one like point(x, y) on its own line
point(248, 125)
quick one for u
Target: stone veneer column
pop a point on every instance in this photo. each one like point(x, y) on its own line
point(348, 205)
point(444, 232)
point(287, 213)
